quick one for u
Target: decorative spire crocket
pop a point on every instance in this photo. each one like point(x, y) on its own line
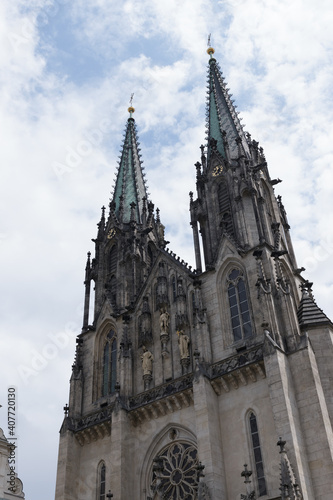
point(222, 118)
point(130, 185)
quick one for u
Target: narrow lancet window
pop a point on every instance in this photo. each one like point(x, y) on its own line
point(101, 483)
point(239, 307)
point(109, 364)
point(106, 364)
point(259, 466)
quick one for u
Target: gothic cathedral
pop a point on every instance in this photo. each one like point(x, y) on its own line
point(208, 383)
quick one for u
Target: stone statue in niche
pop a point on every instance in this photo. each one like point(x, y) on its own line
point(164, 321)
point(183, 342)
point(147, 361)
point(147, 366)
point(164, 329)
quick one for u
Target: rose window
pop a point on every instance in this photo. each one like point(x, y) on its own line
point(177, 477)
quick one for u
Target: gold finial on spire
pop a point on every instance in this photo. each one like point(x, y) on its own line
point(210, 49)
point(131, 109)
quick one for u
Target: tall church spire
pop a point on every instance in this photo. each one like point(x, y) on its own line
point(235, 199)
point(222, 117)
point(127, 239)
point(130, 185)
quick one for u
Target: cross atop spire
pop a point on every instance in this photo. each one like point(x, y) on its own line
point(210, 49)
point(131, 109)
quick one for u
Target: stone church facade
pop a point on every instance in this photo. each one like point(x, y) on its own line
point(207, 383)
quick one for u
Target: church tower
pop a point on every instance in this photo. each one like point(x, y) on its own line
point(207, 383)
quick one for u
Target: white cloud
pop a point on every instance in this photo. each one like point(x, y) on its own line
point(183, 23)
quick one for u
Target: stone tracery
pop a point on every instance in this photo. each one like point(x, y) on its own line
point(177, 477)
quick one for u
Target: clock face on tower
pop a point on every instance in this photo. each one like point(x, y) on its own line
point(111, 233)
point(217, 170)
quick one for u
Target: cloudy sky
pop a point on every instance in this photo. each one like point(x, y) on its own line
point(68, 69)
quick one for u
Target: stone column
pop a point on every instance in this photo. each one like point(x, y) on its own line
point(321, 339)
point(87, 283)
point(315, 421)
point(68, 466)
point(75, 393)
point(194, 225)
point(124, 375)
point(209, 435)
point(121, 466)
point(286, 414)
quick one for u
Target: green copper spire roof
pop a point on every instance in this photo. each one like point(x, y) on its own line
point(130, 185)
point(221, 112)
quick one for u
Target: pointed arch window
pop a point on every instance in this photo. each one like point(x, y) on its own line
point(257, 455)
point(109, 364)
point(239, 306)
point(101, 482)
